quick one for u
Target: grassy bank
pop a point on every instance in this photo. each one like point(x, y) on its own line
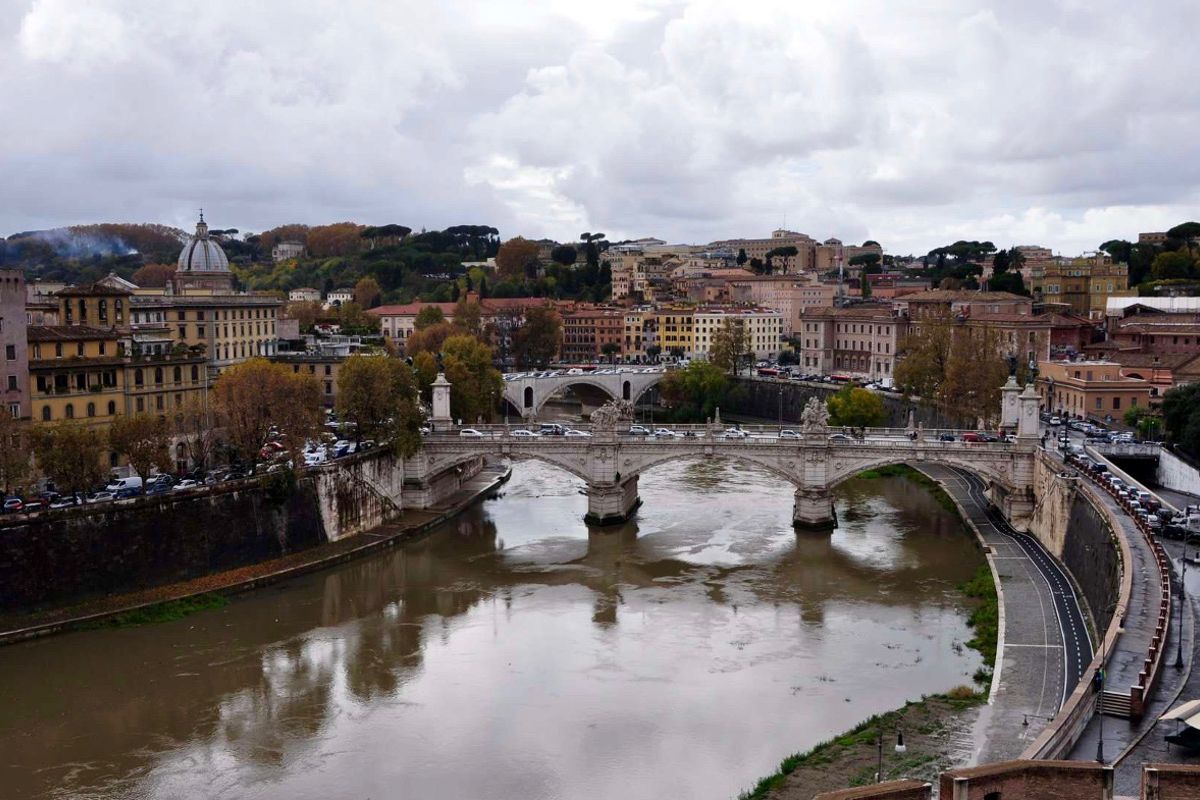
point(984, 619)
point(851, 759)
point(169, 611)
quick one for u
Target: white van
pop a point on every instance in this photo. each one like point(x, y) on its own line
point(133, 482)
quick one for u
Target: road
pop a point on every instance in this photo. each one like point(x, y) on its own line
point(1044, 639)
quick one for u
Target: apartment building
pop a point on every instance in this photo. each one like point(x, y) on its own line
point(941, 303)
point(859, 341)
point(592, 334)
point(763, 328)
point(324, 367)
point(676, 330)
point(1146, 329)
point(1084, 284)
point(640, 335)
point(14, 345)
point(803, 261)
point(787, 295)
point(77, 372)
point(304, 294)
point(1094, 389)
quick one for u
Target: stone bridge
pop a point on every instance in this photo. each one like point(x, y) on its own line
point(528, 394)
point(814, 461)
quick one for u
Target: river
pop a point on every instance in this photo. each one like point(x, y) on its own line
point(514, 654)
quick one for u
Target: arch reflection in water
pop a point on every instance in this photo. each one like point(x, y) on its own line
point(517, 654)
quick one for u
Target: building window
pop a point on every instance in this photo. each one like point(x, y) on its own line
point(158, 402)
point(141, 405)
point(79, 349)
point(12, 383)
point(138, 378)
point(328, 369)
point(183, 331)
point(45, 413)
point(1116, 404)
point(158, 376)
point(70, 411)
point(91, 409)
point(10, 352)
point(103, 348)
point(179, 375)
point(195, 373)
point(112, 408)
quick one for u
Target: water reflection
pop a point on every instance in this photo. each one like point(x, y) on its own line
point(516, 653)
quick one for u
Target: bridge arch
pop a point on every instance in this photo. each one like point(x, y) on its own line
point(842, 470)
point(634, 466)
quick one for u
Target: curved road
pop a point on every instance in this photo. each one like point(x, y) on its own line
point(1044, 640)
point(1076, 638)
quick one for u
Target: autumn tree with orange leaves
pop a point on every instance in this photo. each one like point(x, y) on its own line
point(256, 394)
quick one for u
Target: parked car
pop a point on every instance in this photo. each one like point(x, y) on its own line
point(187, 484)
point(12, 505)
point(840, 437)
point(101, 497)
point(973, 437)
point(1055, 421)
point(470, 433)
point(735, 433)
point(946, 437)
point(788, 434)
point(126, 493)
point(665, 433)
point(132, 482)
point(552, 429)
point(521, 433)
point(639, 430)
point(577, 434)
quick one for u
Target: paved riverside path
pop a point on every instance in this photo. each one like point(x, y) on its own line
point(1035, 673)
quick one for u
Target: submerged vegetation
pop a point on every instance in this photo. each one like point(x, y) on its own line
point(168, 611)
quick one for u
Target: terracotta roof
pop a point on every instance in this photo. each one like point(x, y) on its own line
point(1128, 358)
point(68, 333)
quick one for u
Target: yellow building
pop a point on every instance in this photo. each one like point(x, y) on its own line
point(1084, 283)
point(676, 330)
point(76, 372)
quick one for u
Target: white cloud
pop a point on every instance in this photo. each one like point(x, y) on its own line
point(1059, 123)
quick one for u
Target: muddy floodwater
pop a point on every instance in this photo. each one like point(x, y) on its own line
point(517, 655)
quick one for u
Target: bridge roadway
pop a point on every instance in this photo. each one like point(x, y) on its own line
point(1035, 672)
point(815, 461)
point(528, 392)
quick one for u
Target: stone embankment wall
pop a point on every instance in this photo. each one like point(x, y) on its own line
point(1079, 535)
point(72, 554)
point(1176, 474)
point(762, 400)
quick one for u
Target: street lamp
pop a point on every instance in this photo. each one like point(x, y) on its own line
point(1182, 596)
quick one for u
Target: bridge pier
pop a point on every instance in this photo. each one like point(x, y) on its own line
point(612, 503)
point(814, 510)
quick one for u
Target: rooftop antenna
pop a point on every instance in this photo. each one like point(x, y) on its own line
point(202, 215)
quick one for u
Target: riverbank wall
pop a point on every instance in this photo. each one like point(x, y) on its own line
point(767, 398)
point(70, 555)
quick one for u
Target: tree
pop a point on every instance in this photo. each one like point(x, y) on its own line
point(610, 350)
point(144, 440)
point(653, 352)
point(514, 256)
point(430, 339)
point(856, 408)
point(379, 395)
point(426, 368)
point(1181, 416)
point(428, 316)
point(729, 345)
point(153, 275)
point(975, 371)
point(1170, 265)
point(865, 260)
point(307, 314)
point(538, 341)
point(353, 319)
point(592, 246)
point(757, 265)
point(338, 239)
point(1185, 231)
point(564, 254)
point(196, 427)
point(922, 359)
point(787, 251)
point(367, 292)
point(694, 392)
point(476, 385)
point(468, 315)
point(256, 394)
point(742, 258)
point(69, 453)
point(1000, 263)
point(14, 453)
point(788, 358)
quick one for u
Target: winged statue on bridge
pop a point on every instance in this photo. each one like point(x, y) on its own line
point(612, 414)
point(815, 416)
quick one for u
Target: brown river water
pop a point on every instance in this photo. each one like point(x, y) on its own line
point(514, 654)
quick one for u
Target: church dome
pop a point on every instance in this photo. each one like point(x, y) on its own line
point(202, 254)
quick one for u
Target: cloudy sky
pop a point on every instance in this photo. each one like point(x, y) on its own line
point(1025, 122)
